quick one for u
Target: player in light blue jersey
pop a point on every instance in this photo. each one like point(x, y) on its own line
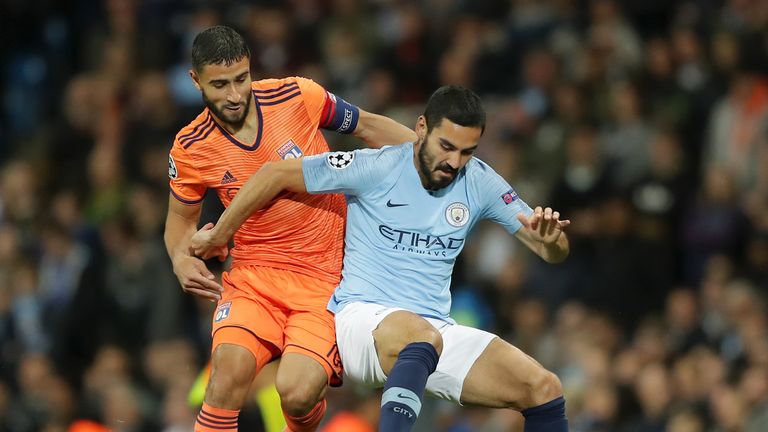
point(410, 208)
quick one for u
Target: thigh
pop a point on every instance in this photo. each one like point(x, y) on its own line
point(462, 346)
point(302, 374)
point(499, 377)
point(241, 306)
point(354, 331)
point(312, 334)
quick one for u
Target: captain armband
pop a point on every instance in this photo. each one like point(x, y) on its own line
point(339, 115)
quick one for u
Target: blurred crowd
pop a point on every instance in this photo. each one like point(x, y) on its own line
point(644, 122)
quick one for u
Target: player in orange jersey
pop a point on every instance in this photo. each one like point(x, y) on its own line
point(287, 258)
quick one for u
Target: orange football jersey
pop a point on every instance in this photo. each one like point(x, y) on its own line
point(298, 232)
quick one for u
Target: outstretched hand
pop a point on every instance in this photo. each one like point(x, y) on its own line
point(544, 225)
point(205, 245)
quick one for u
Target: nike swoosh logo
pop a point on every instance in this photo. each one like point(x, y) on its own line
point(402, 396)
point(390, 204)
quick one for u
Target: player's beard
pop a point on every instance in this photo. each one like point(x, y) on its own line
point(235, 123)
point(426, 161)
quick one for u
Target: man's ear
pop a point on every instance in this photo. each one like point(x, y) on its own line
point(195, 79)
point(421, 127)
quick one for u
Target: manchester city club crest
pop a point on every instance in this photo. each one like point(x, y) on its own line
point(457, 214)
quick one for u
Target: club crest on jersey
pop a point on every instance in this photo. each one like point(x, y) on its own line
point(222, 312)
point(289, 150)
point(509, 196)
point(457, 214)
point(172, 171)
point(340, 160)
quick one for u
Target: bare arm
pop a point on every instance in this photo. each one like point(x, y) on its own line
point(543, 234)
point(180, 224)
point(377, 130)
point(256, 193)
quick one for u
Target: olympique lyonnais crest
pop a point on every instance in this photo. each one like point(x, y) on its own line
point(222, 312)
point(457, 214)
point(172, 172)
point(340, 160)
point(289, 150)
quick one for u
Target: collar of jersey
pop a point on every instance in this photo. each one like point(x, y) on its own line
point(236, 141)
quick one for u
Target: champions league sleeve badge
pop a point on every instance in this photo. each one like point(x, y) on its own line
point(340, 160)
point(172, 171)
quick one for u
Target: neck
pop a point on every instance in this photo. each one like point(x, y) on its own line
point(249, 121)
point(417, 165)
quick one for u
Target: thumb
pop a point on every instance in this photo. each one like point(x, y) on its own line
point(523, 220)
point(223, 254)
point(208, 226)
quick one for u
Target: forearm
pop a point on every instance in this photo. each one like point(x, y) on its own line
point(261, 188)
point(377, 131)
point(555, 252)
point(178, 231)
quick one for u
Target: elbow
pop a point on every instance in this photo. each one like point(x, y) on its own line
point(281, 175)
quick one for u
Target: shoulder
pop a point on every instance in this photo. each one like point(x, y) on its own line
point(269, 84)
point(477, 169)
point(483, 180)
point(286, 83)
point(386, 156)
point(196, 130)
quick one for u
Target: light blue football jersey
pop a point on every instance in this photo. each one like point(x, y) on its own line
point(401, 239)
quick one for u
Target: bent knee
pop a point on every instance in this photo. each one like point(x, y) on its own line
point(232, 370)
point(432, 337)
point(428, 335)
point(542, 388)
point(298, 400)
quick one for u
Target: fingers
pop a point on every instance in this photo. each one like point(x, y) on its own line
point(554, 222)
point(546, 221)
point(203, 294)
point(208, 284)
point(536, 218)
point(220, 253)
point(207, 227)
point(223, 253)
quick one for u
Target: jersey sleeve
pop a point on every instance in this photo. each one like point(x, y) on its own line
point(185, 181)
point(352, 173)
point(499, 201)
point(326, 110)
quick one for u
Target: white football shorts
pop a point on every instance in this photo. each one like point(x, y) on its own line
point(462, 346)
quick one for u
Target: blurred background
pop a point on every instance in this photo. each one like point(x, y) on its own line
point(643, 121)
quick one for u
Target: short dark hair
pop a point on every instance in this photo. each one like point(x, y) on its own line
point(458, 104)
point(219, 44)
